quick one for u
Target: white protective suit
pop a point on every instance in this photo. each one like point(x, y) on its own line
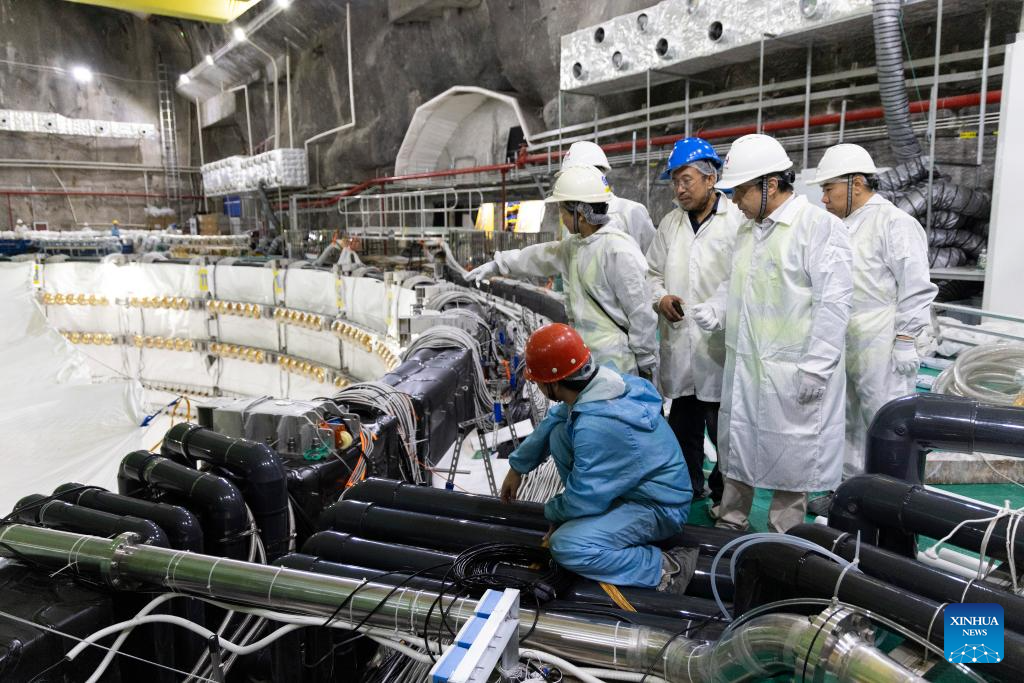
point(692, 267)
point(785, 310)
point(606, 295)
point(634, 220)
point(892, 295)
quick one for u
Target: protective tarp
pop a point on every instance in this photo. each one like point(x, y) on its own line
point(242, 283)
point(57, 425)
point(318, 346)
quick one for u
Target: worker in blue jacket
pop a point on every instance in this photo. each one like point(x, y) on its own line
point(625, 481)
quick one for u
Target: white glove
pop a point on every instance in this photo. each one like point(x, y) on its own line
point(905, 358)
point(483, 272)
point(809, 387)
point(704, 315)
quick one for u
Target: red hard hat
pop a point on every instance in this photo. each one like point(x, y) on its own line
point(554, 352)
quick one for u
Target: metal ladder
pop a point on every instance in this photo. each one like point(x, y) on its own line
point(169, 139)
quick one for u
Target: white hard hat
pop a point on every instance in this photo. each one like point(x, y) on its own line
point(581, 184)
point(843, 160)
point(750, 157)
point(585, 153)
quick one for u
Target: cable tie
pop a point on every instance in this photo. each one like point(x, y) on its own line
point(931, 623)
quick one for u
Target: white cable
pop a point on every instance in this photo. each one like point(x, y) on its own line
point(612, 675)
point(564, 665)
point(753, 539)
point(116, 646)
point(183, 623)
point(404, 649)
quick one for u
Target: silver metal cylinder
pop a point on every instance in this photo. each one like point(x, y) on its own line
point(775, 643)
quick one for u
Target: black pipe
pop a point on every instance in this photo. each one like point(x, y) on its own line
point(398, 495)
point(905, 429)
point(402, 496)
point(914, 576)
point(59, 514)
point(888, 513)
point(700, 583)
point(774, 571)
point(309, 563)
point(369, 520)
point(384, 556)
point(255, 468)
point(219, 504)
point(180, 525)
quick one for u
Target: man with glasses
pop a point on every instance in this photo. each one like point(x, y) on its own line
point(691, 255)
point(785, 311)
point(892, 294)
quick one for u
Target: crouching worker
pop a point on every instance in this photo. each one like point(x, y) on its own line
point(626, 483)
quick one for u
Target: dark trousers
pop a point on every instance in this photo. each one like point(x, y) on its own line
point(688, 418)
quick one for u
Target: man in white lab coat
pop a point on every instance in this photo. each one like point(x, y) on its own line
point(784, 309)
point(691, 255)
point(605, 275)
point(892, 292)
point(631, 217)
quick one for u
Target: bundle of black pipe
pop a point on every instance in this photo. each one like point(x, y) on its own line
point(180, 525)
point(452, 522)
point(253, 467)
point(890, 513)
point(914, 576)
point(471, 507)
point(772, 571)
point(215, 500)
point(378, 557)
point(58, 514)
point(905, 429)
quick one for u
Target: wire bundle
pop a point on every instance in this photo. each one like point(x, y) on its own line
point(384, 398)
point(446, 337)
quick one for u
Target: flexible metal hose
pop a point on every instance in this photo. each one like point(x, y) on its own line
point(891, 85)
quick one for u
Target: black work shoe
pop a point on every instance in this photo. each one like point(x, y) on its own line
point(677, 566)
point(821, 505)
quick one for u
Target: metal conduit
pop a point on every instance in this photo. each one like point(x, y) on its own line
point(765, 646)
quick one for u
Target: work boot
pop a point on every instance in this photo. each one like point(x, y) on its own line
point(677, 567)
point(820, 506)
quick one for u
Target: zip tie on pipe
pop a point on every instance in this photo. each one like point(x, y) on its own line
point(853, 565)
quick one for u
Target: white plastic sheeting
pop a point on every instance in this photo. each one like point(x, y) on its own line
point(58, 426)
point(439, 134)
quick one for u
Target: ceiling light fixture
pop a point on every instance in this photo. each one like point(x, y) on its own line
point(209, 59)
point(81, 74)
point(183, 79)
point(239, 34)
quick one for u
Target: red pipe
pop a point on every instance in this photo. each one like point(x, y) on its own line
point(871, 113)
point(75, 193)
point(868, 114)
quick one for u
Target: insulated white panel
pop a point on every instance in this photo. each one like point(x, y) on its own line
point(261, 332)
point(300, 387)
point(311, 290)
point(85, 318)
point(360, 364)
point(18, 121)
point(167, 322)
point(175, 367)
point(321, 347)
point(273, 169)
point(250, 379)
point(365, 303)
point(165, 279)
point(243, 283)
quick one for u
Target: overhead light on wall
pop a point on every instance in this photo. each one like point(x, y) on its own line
point(284, 4)
point(183, 79)
point(239, 34)
point(209, 59)
point(81, 74)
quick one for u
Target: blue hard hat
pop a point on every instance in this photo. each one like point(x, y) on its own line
point(687, 151)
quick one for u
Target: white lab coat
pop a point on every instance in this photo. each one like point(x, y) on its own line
point(892, 295)
point(606, 295)
point(785, 310)
point(692, 266)
point(634, 220)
